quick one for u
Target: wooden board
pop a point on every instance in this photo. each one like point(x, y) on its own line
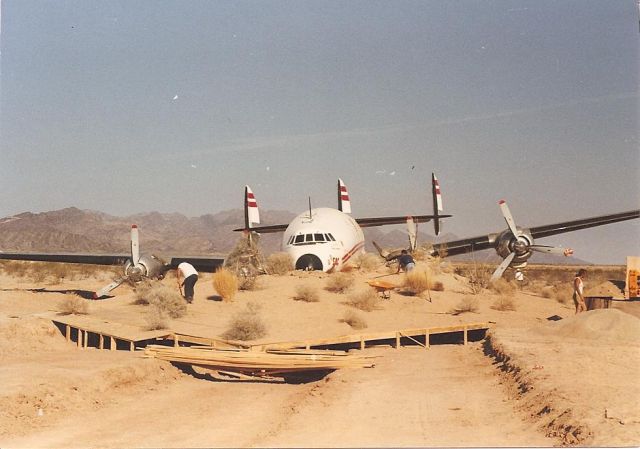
point(362, 339)
point(107, 328)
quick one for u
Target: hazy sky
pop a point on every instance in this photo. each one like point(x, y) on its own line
point(127, 107)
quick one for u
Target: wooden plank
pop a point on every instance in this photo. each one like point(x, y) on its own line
point(67, 332)
point(465, 334)
point(426, 338)
point(362, 344)
point(397, 340)
point(79, 339)
point(101, 342)
point(112, 344)
point(85, 342)
point(132, 347)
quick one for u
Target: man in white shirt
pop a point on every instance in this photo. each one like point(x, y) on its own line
point(188, 276)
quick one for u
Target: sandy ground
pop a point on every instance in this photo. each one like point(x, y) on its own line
point(532, 382)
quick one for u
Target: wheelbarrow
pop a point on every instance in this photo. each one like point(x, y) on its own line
point(383, 288)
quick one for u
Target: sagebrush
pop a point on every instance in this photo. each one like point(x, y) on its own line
point(366, 299)
point(279, 263)
point(307, 293)
point(354, 319)
point(504, 303)
point(225, 283)
point(166, 300)
point(73, 305)
point(246, 324)
point(339, 282)
point(467, 304)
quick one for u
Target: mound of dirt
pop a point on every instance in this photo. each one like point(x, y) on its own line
point(607, 288)
point(601, 324)
point(23, 336)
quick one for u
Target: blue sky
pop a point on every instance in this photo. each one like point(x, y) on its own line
point(127, 107)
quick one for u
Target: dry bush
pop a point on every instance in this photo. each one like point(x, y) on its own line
point(156, 319)
point(225, 283)
point(307, 293)
point(563, 293)
point(248, 282)
point(73, 305)
point(161, 297)
point(14, 268)
point(468, 304)
point(354, 319)
point(502, 287)
point(366, 300)
point(279, 263)
point(339, 282)
point(367, 261)
point(418, 281)
point(246, 324)
point(504, 303)
point(419, 254)
point(547, 291)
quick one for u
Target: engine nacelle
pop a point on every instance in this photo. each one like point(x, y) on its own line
point(148, 266)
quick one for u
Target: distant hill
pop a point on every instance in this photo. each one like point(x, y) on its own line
point(87, 231)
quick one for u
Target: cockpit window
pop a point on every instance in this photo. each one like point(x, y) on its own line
point(318, 237)
point(300, 238)
point(290, 240)
point(309, 238)
point(330, 238)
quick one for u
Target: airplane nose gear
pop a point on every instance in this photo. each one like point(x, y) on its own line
point(309, 262)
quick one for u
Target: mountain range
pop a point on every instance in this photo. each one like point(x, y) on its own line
point(72, 230)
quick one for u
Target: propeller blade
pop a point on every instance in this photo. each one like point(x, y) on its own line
point(506, 213)
point(552, 250)
point(412, 229)
point(135, 248)
point(503, 266)
point(107, 288)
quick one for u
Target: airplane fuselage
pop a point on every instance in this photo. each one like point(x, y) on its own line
point(323, 239)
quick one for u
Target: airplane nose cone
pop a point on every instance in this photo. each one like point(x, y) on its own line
point(309, 262)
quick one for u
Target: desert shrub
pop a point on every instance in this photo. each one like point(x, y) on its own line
point(418, 281)
point(225, 283)
point(467, 304)
point(419, 254)
point(306, 293)
point(156, 319)
point(504, 303)
point(73, 305)
point(354, 319)
point(563, 293)
point(502, 287)
point(339, 282)
point(246, 324)
point(366, 300)
point(279, 263)
point(367, 261)
point(547, 291)
point(161, 297)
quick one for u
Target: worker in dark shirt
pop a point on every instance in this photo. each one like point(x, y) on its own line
point(405, 262)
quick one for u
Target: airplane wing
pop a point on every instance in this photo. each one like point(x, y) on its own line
point(462, 246)
point(204, 264)
point(575, 225)
point(382, 221)
point(266, 229)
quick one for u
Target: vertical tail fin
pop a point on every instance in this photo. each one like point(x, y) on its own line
point(251, 212)
point(437, 203)
point(344, 204)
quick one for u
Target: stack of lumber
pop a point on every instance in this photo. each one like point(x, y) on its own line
point(259, 363)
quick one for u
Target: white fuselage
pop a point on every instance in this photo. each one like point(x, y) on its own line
point(326, 240)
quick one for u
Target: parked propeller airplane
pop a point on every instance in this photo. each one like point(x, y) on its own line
point(326, 238)
point(136, 266)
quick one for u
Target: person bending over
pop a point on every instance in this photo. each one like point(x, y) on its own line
point(187, 276)
point(405, 262)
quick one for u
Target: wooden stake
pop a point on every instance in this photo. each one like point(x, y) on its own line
point(397, 340)
point(67, 332)
point(112, 344)
point(101, 342)
point(426, 339)
point(131, 346)
point(78, 340)
point(465, 334)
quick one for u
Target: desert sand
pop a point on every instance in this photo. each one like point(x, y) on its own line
point(531, 382)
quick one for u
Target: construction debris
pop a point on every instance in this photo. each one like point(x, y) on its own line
point(259, 364)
